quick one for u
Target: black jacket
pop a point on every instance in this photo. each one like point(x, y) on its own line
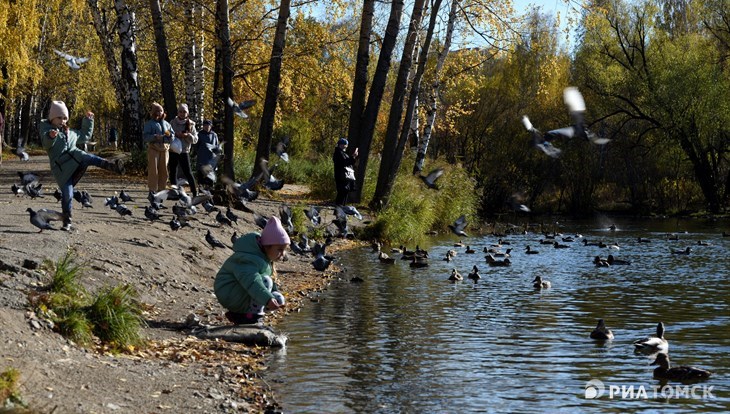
point(341, 160)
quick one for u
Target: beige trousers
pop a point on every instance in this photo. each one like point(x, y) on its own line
point(157, 169)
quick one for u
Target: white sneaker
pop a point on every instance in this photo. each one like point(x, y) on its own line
point(67, 227)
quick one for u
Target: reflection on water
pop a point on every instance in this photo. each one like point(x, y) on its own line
point(407, 340)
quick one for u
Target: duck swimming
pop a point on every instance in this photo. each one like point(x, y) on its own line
point(469, 250)
point(538, 283)
point(665, 371)
point(653, 343)
point(613, 261)
point(474, 274)
point(601, 332)
point(528, 250)
point(455, 276)
point(601, 262)
point(384, 258)
point(686, 251)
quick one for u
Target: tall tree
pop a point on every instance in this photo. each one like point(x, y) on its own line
point(163, 56)
point(360, 82)
point(376, 93)
point(132, 103)
point(390, 160)
point(266, 129)
point(434, 91)
point(224, 72)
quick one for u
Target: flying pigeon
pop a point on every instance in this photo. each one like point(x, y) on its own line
point(22, 155)
point(242, 191)
point(213, 241)
point(27, 178)
point(239, 107)
point(280, 149)
point(270, 181)
point(430, 179)
point(73, 62)
point(340, 221)
point(459, 226)
point(352, 211)
point(42, 217)
point(260, 220)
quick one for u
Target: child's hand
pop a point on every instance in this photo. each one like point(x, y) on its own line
point(273, 304)
point(53, 133)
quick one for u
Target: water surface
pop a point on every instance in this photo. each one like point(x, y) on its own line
point(407, 340)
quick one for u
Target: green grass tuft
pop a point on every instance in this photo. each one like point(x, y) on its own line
point(116, 316)
point(9, 394)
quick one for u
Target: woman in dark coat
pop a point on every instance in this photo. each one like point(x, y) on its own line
point(342, 160)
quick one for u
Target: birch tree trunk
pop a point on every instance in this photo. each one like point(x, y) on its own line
point(190, 62)
point(390, 159)
point(199, 61)
point(360, 83)
point(163, 56)
point(376, 94)
point(132, 105)
point(224, 72)
point(433, 94)
point(106, 38)
point(266, 129)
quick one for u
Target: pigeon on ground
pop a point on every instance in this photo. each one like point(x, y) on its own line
point(112, 202)
point(285, 215)
point(125, 197)
point(459, 226)
point(238, 108)
point(17, 190)
point(151, 213)
point(260, 220)
point(27, 178)
point(230, 215)
point(222, 219)
point(312, 214)
point(213, 241)
point(43, 217)
point(84, 198)
point(123, 210)
point(57, 195)
point(234, 237)
point(175, 224)
point(34, 190)
point(430, 179)
point(209, 207)
point(74, 62)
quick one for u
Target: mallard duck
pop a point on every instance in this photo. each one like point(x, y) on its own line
point(528, 250)
point(384, 258)
point(702, 243)
point(568, 239)
point(538, 283)
point(665, 371)
point(376, 245)
point(587, 243)
point(503, 242)
point(542, 241)
point(653, 343)
point(448, 258)
point(672, 236)
point(502, 254)
point(614, 246)
point(419, 262)
point(686, 251)
point(643, 240)
point(601, 332)
point(469, 250)
point(474, 274)
point(614, 261)
point(455, 276)
point(491, 261)
point(459, 244)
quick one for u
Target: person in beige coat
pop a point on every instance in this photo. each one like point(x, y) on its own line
point(157, 134)
point(185, 131)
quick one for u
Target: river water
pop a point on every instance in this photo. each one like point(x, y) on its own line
point(407, 340)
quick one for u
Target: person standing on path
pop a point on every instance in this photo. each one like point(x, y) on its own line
point(344, 172)
point(185, 131)
point(157, 134)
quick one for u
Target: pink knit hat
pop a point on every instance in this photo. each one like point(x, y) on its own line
point(58, 108)
point(274, 233)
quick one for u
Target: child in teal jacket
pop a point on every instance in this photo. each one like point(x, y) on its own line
point(68, 162)
point(244, 284)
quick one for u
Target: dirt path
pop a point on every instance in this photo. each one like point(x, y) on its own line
point(173, 272)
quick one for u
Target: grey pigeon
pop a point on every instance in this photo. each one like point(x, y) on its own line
point(34, 190)
point(125, 197)
point(123, 210)
point(74, 62)
point(230, 215)
point(209, 207)
point(112, 202)
point(242, 191)
point(280, 149)
point(352, 211)
point(151, 213)
point(57, 195)
point(234, 237)
point(321, 263)
point(285, 215)
point(459, 226)
point(42, 217)
point(269, 180)
point(175, 224)
point(430, 179)
point(260, 220)
point(213, 241)
point(27, 178)
point(222, 219)
point(238, 108)
point(312, 214)
point(340, 221)
point(22, 155)
point(84, 198)
point(17, 190)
